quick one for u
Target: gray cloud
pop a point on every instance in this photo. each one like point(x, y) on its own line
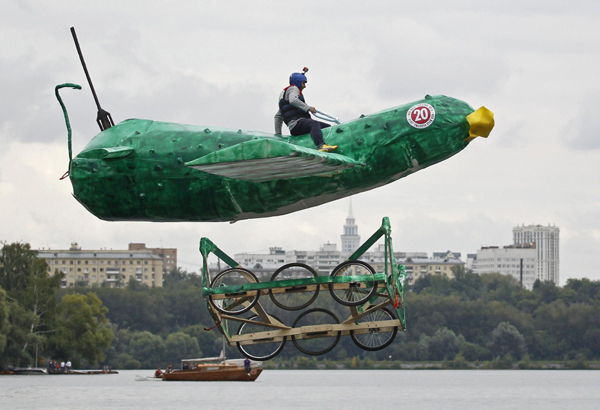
point(583, 132)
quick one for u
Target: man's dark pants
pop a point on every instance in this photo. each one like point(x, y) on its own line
point(305, 126)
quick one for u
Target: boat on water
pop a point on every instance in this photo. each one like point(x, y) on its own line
point(93, 371)
point(197, 370)
point(211, 369)
point(28, 371)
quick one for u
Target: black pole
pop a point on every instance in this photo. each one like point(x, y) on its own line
point(103, 118)
point(521, 271)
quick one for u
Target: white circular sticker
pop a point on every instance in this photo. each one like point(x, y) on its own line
point(420, 115)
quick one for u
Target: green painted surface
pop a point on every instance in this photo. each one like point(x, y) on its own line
point(141, 170)
point(292, 282)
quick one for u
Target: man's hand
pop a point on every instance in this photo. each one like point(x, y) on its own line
point(312, 109)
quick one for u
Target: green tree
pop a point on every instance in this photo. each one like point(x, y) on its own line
point(186, 306)
point(137, 310)
point(180, 346)
point(507, 340)
point(591, 340)
point(26, 281)
point(443, 345)
point(4, 323)
point(502, 288)
point(18, 337)
point(473, 352)
point(147, 348)
point(210, 343)
point(177, 275)
point(459, 362)
point(466, 284)
point(547, 292)
point(433, 284)
point(83, 331)
point(586, 289)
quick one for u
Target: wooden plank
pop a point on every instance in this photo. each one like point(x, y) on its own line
point(316, 329)
point(274, 324)
point(313, 331)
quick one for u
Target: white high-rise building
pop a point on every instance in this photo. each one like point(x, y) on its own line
point(518, 261)
point(547, 246)
point(350, 237)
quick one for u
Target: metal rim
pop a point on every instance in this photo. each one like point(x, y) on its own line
point(375, 339)
point(218, 303)
point(359, 292)
point(284, 300)
point(242, 348)
point(304, 348)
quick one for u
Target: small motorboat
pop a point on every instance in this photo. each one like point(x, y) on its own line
point(194, 370)
point(29, 371)
point(214, 369)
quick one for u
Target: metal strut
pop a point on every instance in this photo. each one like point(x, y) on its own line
point(103, 118)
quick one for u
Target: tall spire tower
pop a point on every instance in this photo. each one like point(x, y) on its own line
point(350, 237)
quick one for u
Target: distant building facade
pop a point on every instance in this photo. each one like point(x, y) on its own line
point(417, 264)
point(112, 268)
point(510, 260)
point(263, 265)
point(350, 238)
point(323, 260)
point(446, 255)
point(169, 255)
point(418, 267)
point(547, 240)
point(471, 262)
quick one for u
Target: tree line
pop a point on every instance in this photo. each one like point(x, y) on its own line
point(471, 317)
point(37, 322)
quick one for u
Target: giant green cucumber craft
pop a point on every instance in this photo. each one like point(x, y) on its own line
point(143, 170)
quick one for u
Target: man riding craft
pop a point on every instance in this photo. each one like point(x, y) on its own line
point(294, 111)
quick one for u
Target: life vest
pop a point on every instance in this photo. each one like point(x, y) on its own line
point(288, 111)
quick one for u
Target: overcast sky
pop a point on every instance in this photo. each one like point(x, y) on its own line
point(223, 63)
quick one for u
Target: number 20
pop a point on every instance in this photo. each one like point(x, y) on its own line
point(421, 114)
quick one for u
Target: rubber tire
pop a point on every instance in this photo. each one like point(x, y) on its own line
point(284, 267)
point(383, 346)
point(260, 358)
point(247, 308)
point(361, 301)
point(328, 349)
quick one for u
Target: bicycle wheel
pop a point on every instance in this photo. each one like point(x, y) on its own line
point(353, 293)
point(375, 339)
point(316, 342)
point(234, 303)
point(261, 349)
point(294, 297)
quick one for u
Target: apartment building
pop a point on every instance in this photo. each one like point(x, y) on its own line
point(547, 240)
point(113, 268)
point(169, 255)
point(518, 261)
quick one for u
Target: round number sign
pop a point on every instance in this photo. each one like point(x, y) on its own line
point(420, 115)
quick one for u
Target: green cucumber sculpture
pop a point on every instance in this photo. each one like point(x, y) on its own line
point(143, 170)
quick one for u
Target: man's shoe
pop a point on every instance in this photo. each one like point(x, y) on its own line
point(327, 148)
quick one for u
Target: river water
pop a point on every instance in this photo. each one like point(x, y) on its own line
point(313, 389)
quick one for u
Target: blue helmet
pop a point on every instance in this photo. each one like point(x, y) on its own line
point(297, 79)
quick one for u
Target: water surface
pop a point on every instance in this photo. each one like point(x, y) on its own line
point(313, 389)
